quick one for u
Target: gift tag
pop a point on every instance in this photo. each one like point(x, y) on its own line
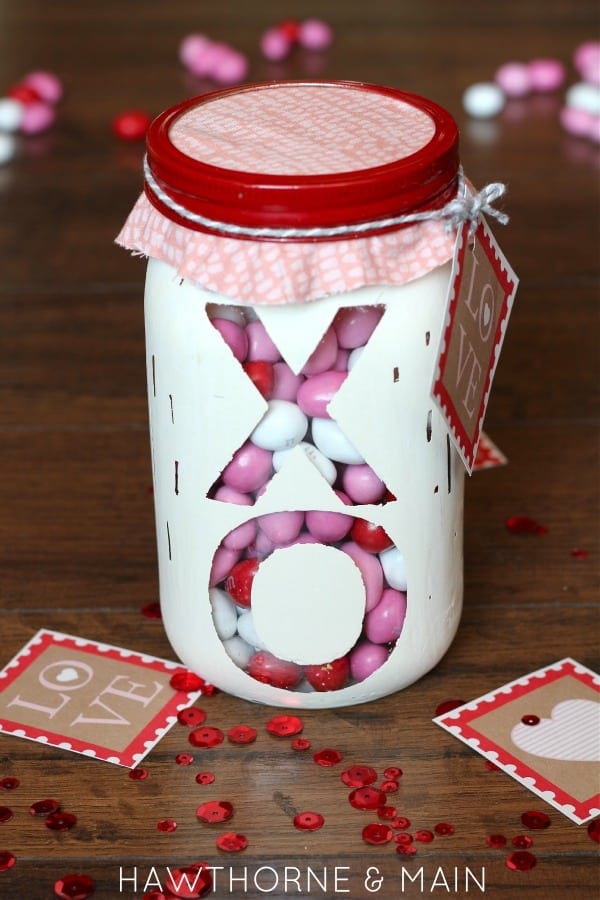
point(480, 297)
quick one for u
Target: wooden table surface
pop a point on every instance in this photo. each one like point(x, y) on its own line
point(76, 521)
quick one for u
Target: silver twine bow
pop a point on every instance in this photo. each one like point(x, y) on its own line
point(468, 207)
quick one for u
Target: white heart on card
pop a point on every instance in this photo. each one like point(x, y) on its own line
point(67, 674)
point(572, 733)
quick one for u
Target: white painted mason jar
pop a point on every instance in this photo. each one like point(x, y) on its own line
point(308, 499)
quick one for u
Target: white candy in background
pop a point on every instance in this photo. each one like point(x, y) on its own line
point(318, 459)
point(483, 100)
point(282, 426)
point(7, 148)
point(224, 613)
point(394, 568)
point(331, 440)
point(11, 114)
point(239, 651)
point(247, 631)
point(584, 96)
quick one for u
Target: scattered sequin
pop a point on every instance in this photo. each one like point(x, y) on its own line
point(400, 823)
point(184, 759)
point(74, 887)
point(44, 807)
point(359, 776)
point(443, 828)
point(300, 744)
point(7, 860)
point(530, 720)
point(206, 737)
point(242, 734)
point(209, 690)
point(9, 783)
point(215, 811)
point(284, 726)
point(189, 882)
point(387, 812)
point(521, 860)
point(232, 842)
point(389, 787)
point(327, 757)
point(535, 819)
point(138, 774)
point(166, 825)
point(495, 840)
point(61, 821)
point(424, 836)
point(392, 772)
point(593, 830)
point(406, 849)
point(308, 821)
point(377, 833)
point(205, 777)
point(151, 611)
point(367, 798)
point(403, 837)
point(186, 681)
point(492, 767)
point(522, 841)
point(5, 813)
point(447, 706)
point(191, 715)
point(525, 525)
point(579, 553)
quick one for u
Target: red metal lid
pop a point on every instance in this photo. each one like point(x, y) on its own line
point(300, 155)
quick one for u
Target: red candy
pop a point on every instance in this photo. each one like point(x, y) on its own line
point(131, 125)
point(262, 375)
point(329, 676)
point(24, 94)
point(239, 581)
point(268, 669)
point(370, 537)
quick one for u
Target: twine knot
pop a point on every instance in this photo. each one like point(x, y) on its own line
point(467, 207)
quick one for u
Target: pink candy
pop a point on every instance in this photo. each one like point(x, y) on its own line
point(314, 34)
point(323, 356)
point(212, 59)
point(362, 484)
point(540, 76)
point(355, 325)
point(384, 622)
point(277, 43)
point(317, 391)
point(47, 85)
point(234, 336)
point(366, 658)
point(37, 117)
point(249, 469)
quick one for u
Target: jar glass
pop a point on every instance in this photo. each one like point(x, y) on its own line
point(308, 498)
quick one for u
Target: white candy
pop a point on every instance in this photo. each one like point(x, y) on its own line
point(394, 568)
point(7, 148)
point(247, 631)
point(319, 461)
point(584, 96)
point(282, 426)
point(11, 114)
point(239, 651)
point(331, 440)
point(222, 311)
point(483, 100)
point(354, 357)
point(224, 613)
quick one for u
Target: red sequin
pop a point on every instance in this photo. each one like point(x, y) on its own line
point(191, 715)
point(447, 706)
point(9, 783)
point(230, 842)
point(392, 772)
point(525, 525)
point(186, 681)
point(377, 833)
point(166, 825)
point(400, 822)
point(44, 807)
point(535, 819)
point(206, 737)
point(151, 611)
point(5, 813)
point(424, 836)
point(522, 841)
point(61, 821)
point(389, 787)
point(366, 798)
point(495, 840)
point(308, 821)
point(521, 860)
point(492, 767)
point(7, 860)
point(403, 837)
point(284, 726)
point(579, 553)
point(300, 744)
point(443, 828)
point(593, 830)
point(359, 776)
point(406, 849)
point(387, 812)
point(205, 777)
point(215, 811)
point(74, 887)
point(189, 882)
point(184, 759)
point(242, 734)
point(327, 757)
point(209, 690)
point(530, 720)
point(138, 774)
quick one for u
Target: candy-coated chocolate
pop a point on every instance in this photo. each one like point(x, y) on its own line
point(225, 311)
point(362, 484)
point(331, 676)
point(370, 537)
point(282, 527)
point(234, 336)
point(384, 622)
point(224, 613)
point(37, 117)
point(191, 50)
point(546, 74)
point(230, 495)
point(247, 631)
point(323, 356)
point(265, 667)
point(131, 125)
point(11, 114)
point(317, 392)
point(275, 45)
point(239, 651)
point(366, 658)
point(230, 68)
point(514, 78)
point(354, 325)
point(394, 568)
point(47, 85)
point(238, 583)
point(584, 96)
point(341, 360)
point(261, 375)
point(260, 345)
point(7, 148)
point(241, 537)
point(577, 122)
point(328, 527)
point(483, 100)
point(587, 56)
point(286, 383)
point(222, 563)
point(331, 440)
point(250, 467)
point(370, 570)
point(282, 426)
point(318, 459)
point(24, 93)
point(314, 34)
